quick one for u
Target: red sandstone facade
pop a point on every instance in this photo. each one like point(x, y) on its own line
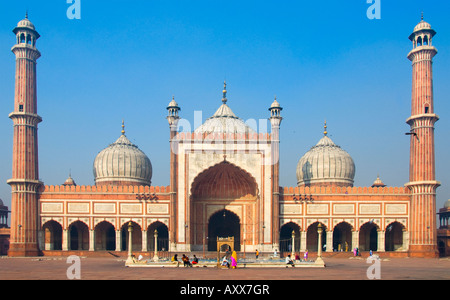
point(215, 193)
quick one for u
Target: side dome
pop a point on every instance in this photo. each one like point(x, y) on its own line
point(447, 204)
point(326, 164)
point(122, 163)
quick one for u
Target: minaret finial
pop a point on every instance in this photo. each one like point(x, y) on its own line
point(26, 14)
point(422, 16)
point(224, 99)
point(123, 127)
point(325, 132)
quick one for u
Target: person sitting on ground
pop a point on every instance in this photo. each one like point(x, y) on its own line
point(225, 262)
point(186, 261)
point(195, 260)
point(289, 260)
point(175, 260)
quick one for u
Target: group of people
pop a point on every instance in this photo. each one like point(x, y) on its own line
point(185, 259)
point(291, 261)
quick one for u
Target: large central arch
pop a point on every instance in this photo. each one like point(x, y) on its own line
point(223, 189)
point(224, 181)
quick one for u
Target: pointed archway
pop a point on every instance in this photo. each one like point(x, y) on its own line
point(286, 237)
point(368, 237)
point(394, 236)
point(224, 223)
point(342, 237)
point(223, 189)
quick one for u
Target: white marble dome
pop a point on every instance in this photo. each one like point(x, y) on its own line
point(224, 121)
point(447, 204)
point(422, 25)
point(326, 164)
point(122, 163)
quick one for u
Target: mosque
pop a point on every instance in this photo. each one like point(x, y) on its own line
point(224, 182)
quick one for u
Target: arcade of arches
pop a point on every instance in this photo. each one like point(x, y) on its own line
point(225, 223)
point(104, 237)
point(344, 238)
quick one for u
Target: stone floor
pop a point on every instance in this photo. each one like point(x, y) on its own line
point(92, 268)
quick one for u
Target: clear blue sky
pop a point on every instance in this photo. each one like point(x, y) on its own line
point(323, 59)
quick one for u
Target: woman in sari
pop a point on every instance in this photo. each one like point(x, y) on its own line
point(234, 260)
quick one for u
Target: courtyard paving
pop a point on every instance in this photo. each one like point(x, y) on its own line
point(96, 268)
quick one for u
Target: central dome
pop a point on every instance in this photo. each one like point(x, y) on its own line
point(326, 164)
point(122, 163)
point(224, 120)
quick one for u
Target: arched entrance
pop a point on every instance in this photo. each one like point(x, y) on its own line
point(312, 237)
point(368, 237)
point(342, 237)
point(163, 237)
point(286, 238)
point(224, 223)
point(53, 235)
point(105, 236)
point(224, 202)
point(394, 236)
point(136, 237)
point(79, 236)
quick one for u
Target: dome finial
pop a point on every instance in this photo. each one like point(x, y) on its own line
point(224, 99)
point(422, 16)
point(325, 132)
point(123, 127)
point(26, 14)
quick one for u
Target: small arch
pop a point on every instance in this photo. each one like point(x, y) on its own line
point(136, 236)
point(394, 236)
point(425, 40)
point(312, 237)
point(163, 236)
point(52, 235)
point(22, 38)
point(286, 237)
point(79, 236)
point(368, 237)
point(105, 236)
point(419, 41)
point(426, 108)
point(342, 237)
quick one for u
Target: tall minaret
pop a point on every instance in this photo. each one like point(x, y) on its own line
point(422, 179)
point(25, 172)
point(173, 119)
point(275, 121)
